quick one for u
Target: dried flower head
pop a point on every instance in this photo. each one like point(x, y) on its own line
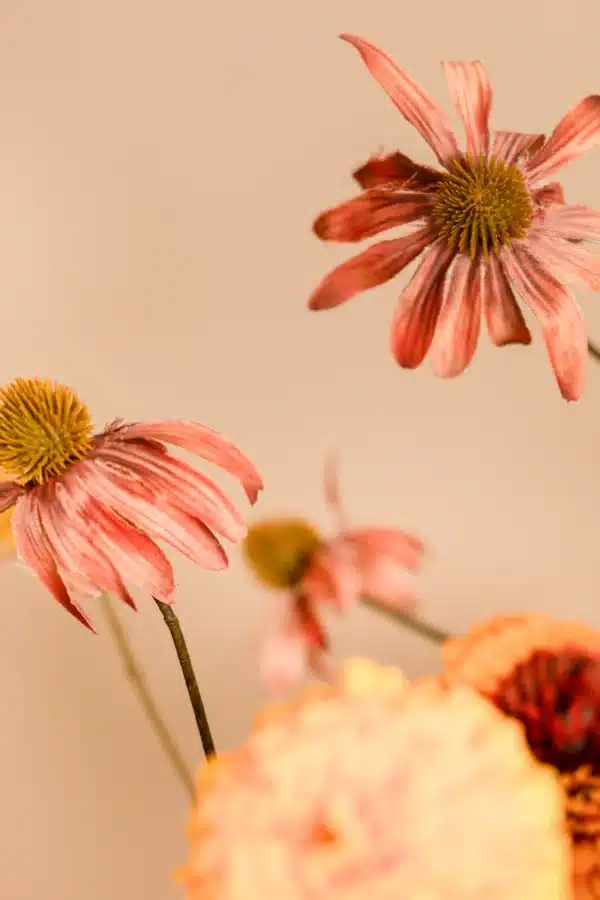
point(546, 674)
point(491, 228)
point(317, 573)
point(375, 788)
point(89, 508)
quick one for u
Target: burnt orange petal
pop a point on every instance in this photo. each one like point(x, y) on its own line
point(504, 319)
point(397, 170)
point(370, 213)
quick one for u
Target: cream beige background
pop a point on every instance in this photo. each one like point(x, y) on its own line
point(160, 166)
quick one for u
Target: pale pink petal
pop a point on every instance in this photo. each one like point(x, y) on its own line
point(332, 577)
point(397, 170)
point(504, 319)
point(471, 94)
point(558, 314)
point(371, 213)
point(384, 579)
point(33, 548)
point(567, 260)
point(140, 505)
point(174, 479)
point(284, 659)
point(404, 548)
point(419, 306)
point(577, 132)
point(548, 194)
point(572, 222)
point(414, 103)
point(369, 269)
point(202, 441)
point(509, 146)
point(10, 491)
point(333, 497)
point(459, 321)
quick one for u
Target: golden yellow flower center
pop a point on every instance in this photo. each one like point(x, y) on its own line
point(279, 551)
point(44, 428)
point(481, 205)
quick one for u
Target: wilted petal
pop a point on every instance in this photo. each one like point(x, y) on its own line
point(419, 307)
point(558, 314)
point(572, 222)
point(10, 491)
point(33, 548)
point(332, 577)
point(504, 319)
point(202, 441)
point(577, 132)
point(509, 146)
point(370, 213)
point(369, 269)
point(570, 261)
point(471, 94)
point(404, 548)
point(548, 194)
point(459, 321)
point(384, 580)
point(397, 170)
point(414, 103)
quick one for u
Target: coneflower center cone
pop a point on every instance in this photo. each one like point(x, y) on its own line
point(279, 551)
point(481, 205)
point(44, 428)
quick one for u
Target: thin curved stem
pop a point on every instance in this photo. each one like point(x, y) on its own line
point(423, 629)
point(189, 676)
point(139, 681)
point(594, 351)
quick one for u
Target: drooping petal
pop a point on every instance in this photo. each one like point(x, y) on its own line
point(384, 580)
point(185, 487)
point(202, 441)
point(459, 321)
point(510, 146)
point(10, 491)
point(371, 213)
point(572, 222)
point(504, 319)
point(570, 261)
point(576, 132)
point(419, 306)
point(332, 577)
point(558, 314)
point(471, 94)
point(33, 548)
point(396, 170)
point(147, 511)
point(369, 269)
point(404, 548)
point(550, 193)
point(414, 103)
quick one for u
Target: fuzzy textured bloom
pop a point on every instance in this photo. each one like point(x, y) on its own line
point(89, 508)
point(373, 787)
point(546, 674)
point(318, 574)
point(491, 228)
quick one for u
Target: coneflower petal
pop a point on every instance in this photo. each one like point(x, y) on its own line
point(572, 222)
point(504, 319)
point(202, 441)
point(10, 491)
point(406, 549)
point(370, 213)
point(471, 94)
point(459, 322)
point(332, 578)
point(33, 548)
point(510, 146)
point(396, 170)
point(577, 132)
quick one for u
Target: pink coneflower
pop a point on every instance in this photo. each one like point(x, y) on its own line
point(318, 574)
point(88, 508)
point(492, 229)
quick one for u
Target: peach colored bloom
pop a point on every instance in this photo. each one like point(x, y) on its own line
point(376, 788)
point(493, 229)
point(546, 674)
point(89, 508)
point(317, 574)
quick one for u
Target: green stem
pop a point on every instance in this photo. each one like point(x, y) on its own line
point(424, 629)
point(140, 684)
point(189, 676)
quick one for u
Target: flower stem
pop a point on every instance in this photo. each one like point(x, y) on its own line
point(140, 684)
point(424, 629)
point(189, 676)
point(594, 351)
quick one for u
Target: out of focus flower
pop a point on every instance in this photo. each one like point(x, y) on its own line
point(89, 508)
point(316, 573)
point(375, 788)
point(546, 674)
point(493, 229)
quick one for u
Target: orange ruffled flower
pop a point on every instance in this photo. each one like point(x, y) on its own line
point(546, 674)
point(491, 228)
point(317, 574)
point(376, 788)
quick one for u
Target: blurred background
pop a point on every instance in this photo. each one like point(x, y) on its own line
point(160, 167)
